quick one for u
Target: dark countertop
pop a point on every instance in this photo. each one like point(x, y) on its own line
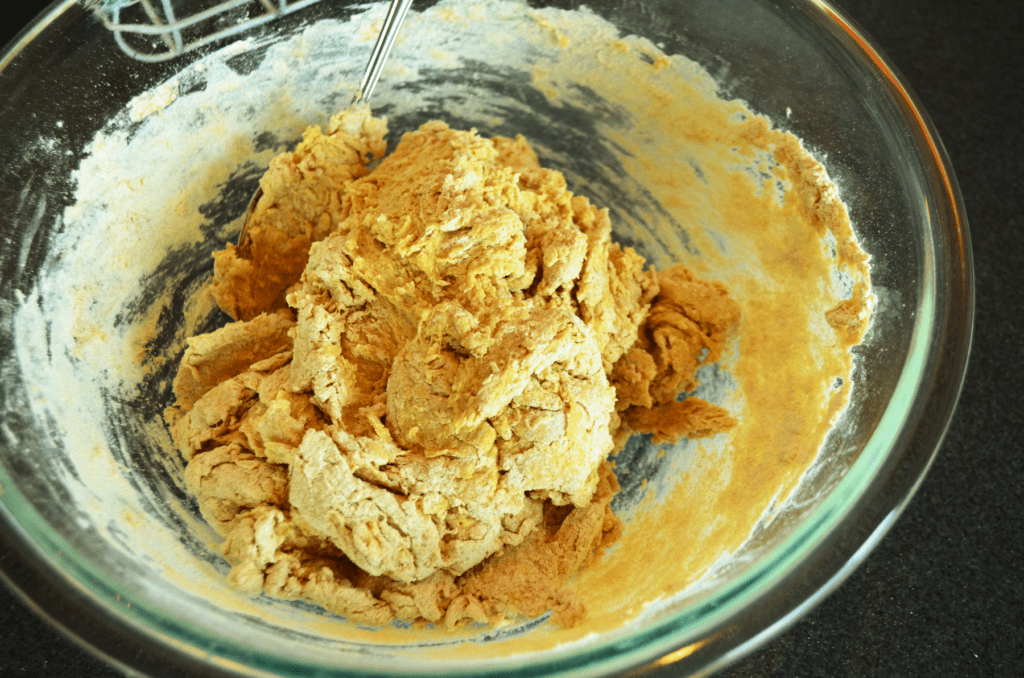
point(943, 593)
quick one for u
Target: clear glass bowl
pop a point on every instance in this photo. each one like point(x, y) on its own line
point(65, 80)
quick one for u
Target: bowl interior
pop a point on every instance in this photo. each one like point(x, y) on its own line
point(125, 178)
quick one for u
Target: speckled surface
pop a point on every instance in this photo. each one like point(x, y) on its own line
point(943, 594)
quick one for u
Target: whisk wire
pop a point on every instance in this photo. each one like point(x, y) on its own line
point(148, 34)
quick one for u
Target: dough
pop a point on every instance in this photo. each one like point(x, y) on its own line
point(431, 362)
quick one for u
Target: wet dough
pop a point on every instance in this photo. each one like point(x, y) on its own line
point(430, 364)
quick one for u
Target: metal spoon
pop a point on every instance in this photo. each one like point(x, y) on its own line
point(381, 49)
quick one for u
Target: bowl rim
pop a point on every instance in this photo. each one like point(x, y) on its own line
point(64, 592)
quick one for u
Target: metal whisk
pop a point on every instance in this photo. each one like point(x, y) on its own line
point(152, 30)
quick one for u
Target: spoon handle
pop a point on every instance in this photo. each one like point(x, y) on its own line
point(382, 48)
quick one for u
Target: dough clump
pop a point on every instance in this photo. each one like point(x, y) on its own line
point(410, 417)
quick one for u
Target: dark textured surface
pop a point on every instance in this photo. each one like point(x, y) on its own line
point(943, 594)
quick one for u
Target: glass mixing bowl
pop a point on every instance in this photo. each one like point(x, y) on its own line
point(94, 510)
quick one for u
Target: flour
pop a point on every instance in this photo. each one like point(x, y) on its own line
point(154, 101)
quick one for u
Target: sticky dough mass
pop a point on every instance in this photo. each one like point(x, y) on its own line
point(429, 366)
